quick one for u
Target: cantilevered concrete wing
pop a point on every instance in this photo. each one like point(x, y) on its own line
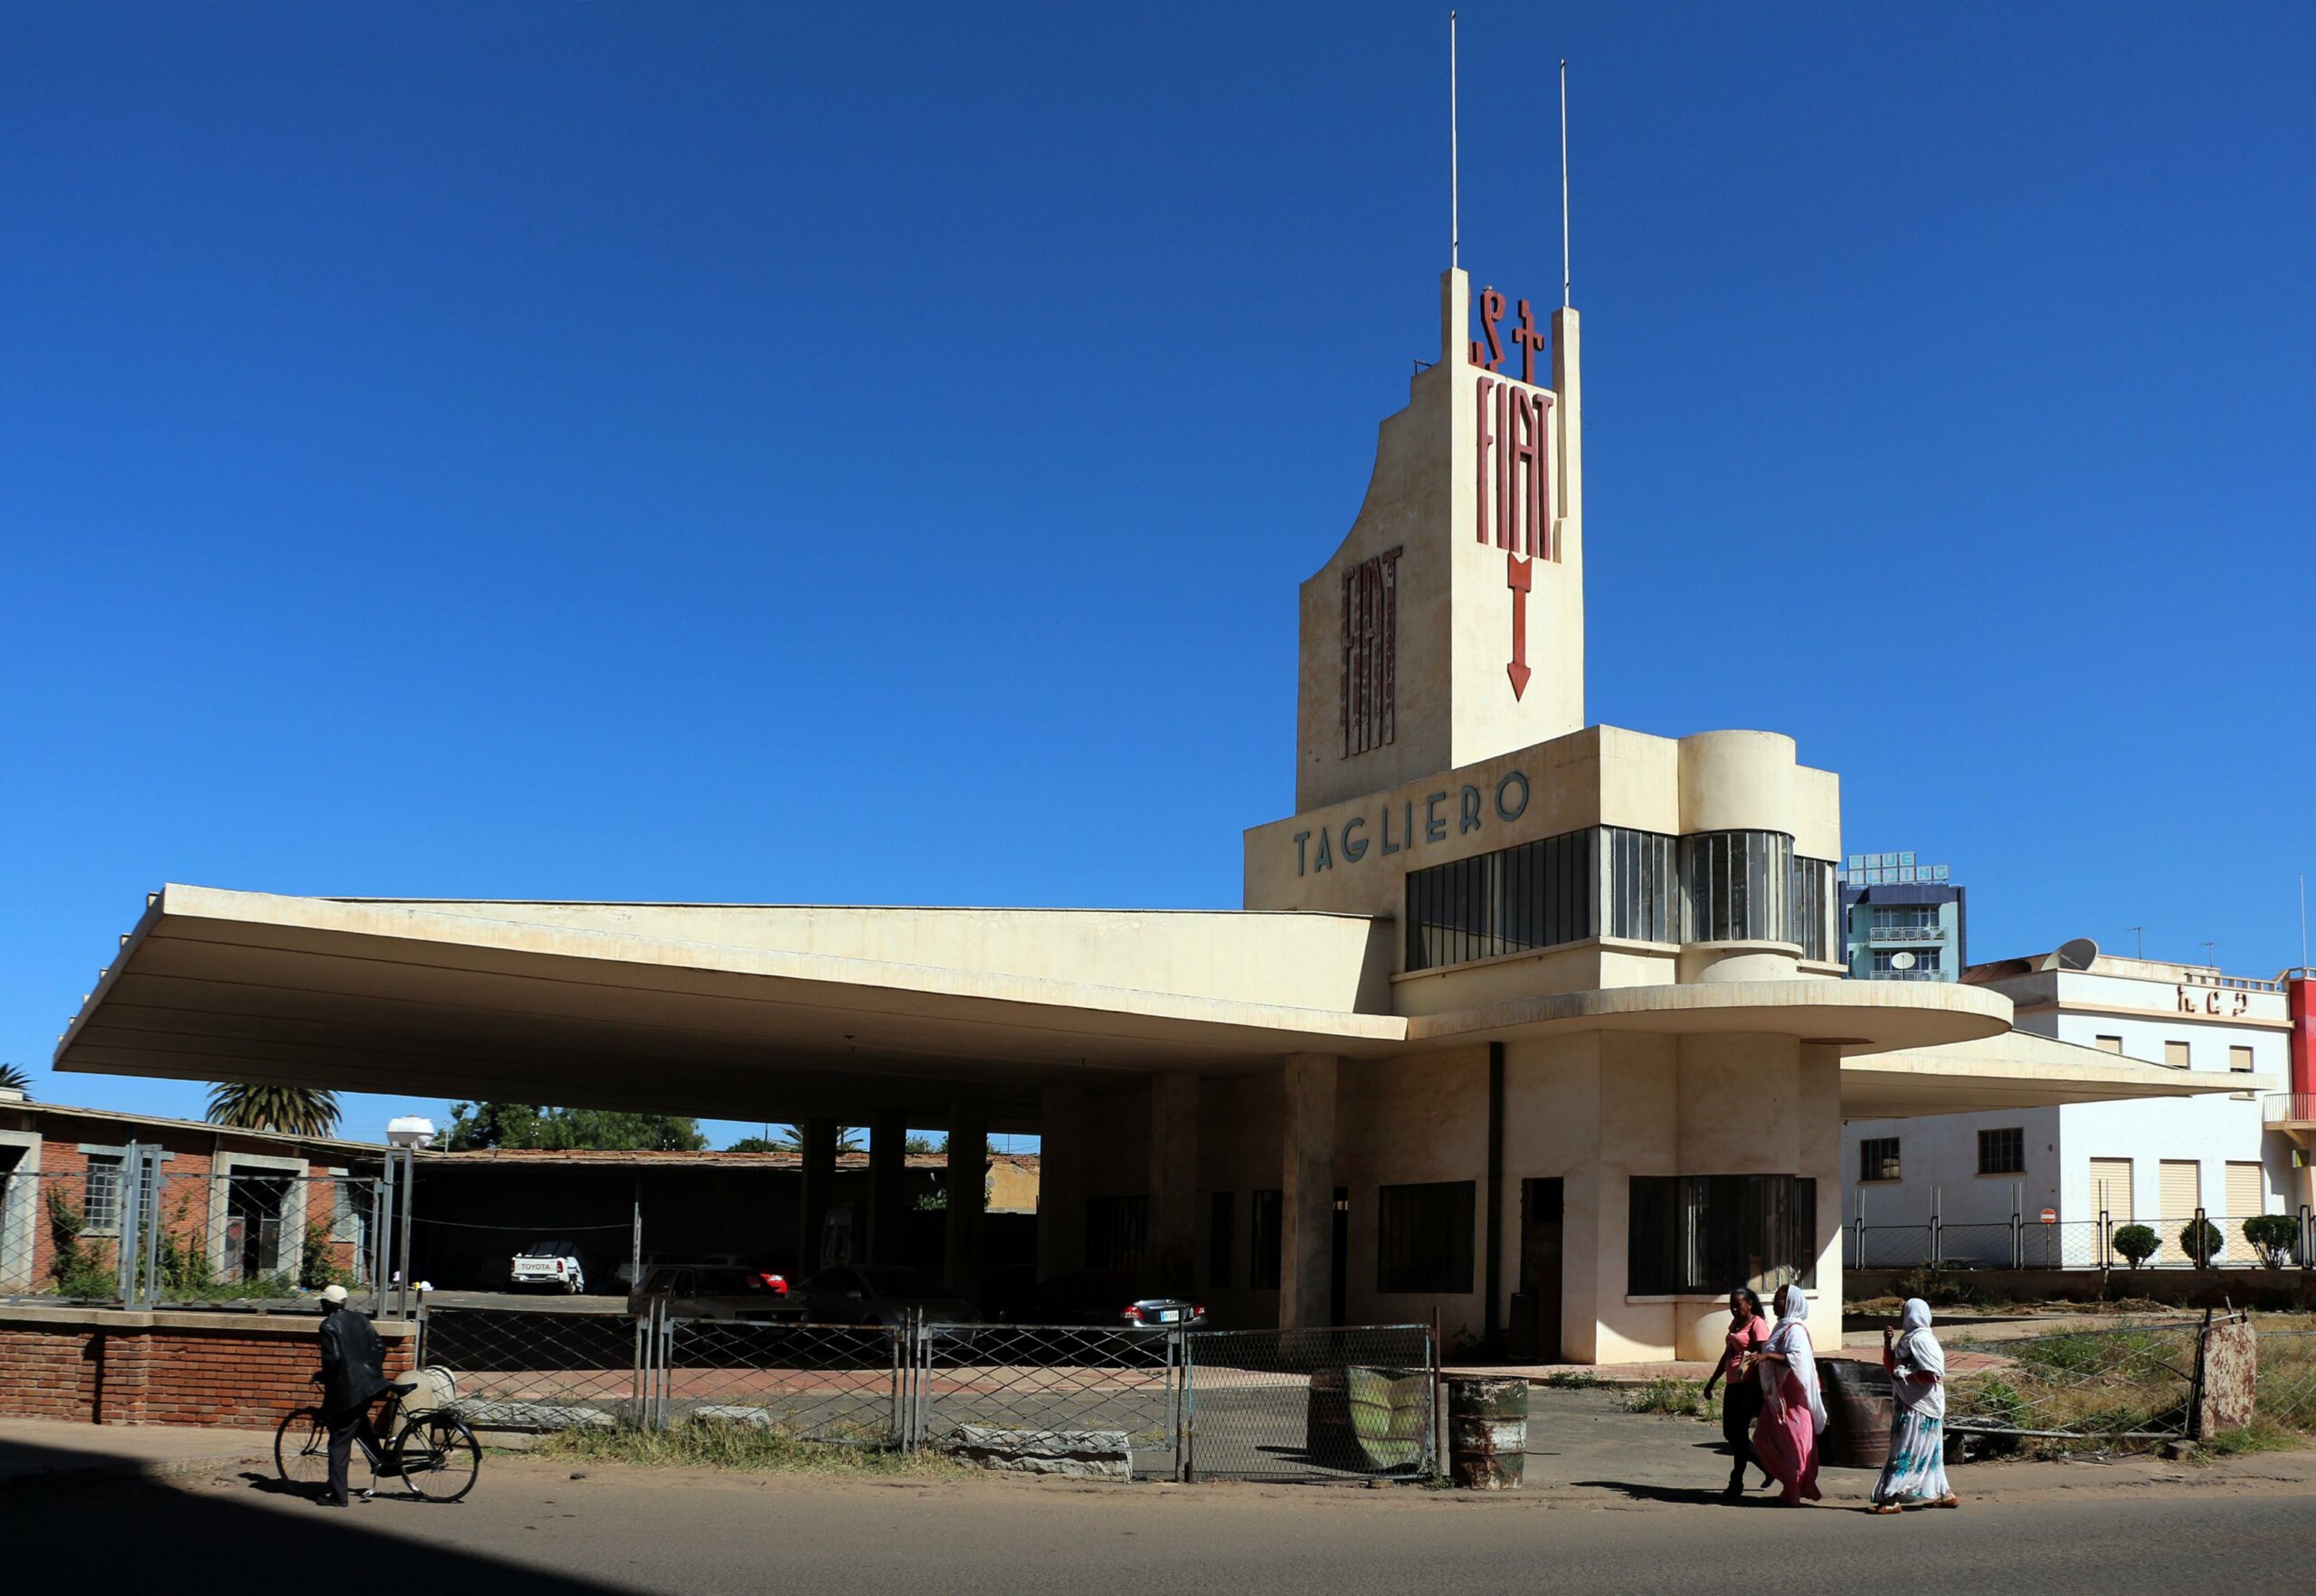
point(2018, 1069)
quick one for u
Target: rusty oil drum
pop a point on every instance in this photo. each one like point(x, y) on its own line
point(1859, 1406)
point(1487, 1432)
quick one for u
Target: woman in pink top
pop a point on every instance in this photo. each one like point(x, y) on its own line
point(1749, 1333)
point(1793, 1415)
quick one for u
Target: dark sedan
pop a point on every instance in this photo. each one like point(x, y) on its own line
point(1109, 1297)
point(878, 1294)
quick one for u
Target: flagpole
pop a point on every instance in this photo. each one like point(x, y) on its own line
point(1454, 213)
point(1565, 300)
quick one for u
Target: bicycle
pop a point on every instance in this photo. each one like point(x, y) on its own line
point(434, 1455)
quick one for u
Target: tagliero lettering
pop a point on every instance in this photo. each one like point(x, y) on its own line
point(1351, 840)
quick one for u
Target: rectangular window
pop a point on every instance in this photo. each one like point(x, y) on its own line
point(101, 1194)
point(2003, 1152)
point(1117, 1232)
point(2246, 1195)
point(2108, 1044)
point(1907, 963)
point(2181, 1193)
point(2239, 1059)
point(1712, 1233)
point(1222, 1233)
point(2175, 1054)
point(1424, 1237)
point(1910, 916)
point(1877, 1159)
point(1265, 1210)
point(1536, 894)
point(1371, 623)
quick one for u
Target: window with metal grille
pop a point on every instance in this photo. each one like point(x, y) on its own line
point(1877, 1158)
point(1810, 906)
point(101, 1194)
point(2003, 1152)
point(1117, 1232)
point(1712, 1233)
point(1370, 623)
point(1265, 1209)
point(1423, 1237)
point(1221, 1232)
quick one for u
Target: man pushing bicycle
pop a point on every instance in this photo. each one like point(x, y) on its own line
point(354, 1375)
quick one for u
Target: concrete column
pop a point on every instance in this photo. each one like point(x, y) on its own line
point(1061, 1181)
point(818, 1137)
point(968, 1191)
point(888, 1189)
point(1307, 1219)
point(1173, 1176)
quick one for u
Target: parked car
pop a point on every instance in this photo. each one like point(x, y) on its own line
point(549, 1263)
point(1109, 1297)
point(880, 1294)
point(717, 1291)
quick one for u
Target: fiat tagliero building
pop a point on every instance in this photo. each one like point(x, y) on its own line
point(1538, 1024)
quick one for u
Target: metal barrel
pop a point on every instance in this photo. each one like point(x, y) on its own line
point(1858, 1409)
point(1487, 1432)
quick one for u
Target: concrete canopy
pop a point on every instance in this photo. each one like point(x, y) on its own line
point(767, 1012)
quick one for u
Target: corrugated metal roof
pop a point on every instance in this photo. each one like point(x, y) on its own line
point(593, 1157)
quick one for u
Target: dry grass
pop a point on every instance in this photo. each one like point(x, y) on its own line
point(719, 1443)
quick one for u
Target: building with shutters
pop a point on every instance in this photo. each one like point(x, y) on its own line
point(1533, 1023)
point(2227, 1153)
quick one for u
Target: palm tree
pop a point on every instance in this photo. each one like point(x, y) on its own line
point(298, 1111)
point(12, 1079)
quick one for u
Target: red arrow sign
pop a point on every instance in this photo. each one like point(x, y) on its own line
point(1516, 577)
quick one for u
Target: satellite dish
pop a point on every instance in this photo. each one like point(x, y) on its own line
point(2077, 955)
point(1902, 960)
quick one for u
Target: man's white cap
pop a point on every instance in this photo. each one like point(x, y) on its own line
point(334, 1294)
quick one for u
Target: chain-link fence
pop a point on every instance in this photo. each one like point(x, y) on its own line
point(2128, 1381)
point(1052, 1383)
point(538, 1368)
point(2287, 1377)
point(2197, 1241)
point(1355, 1403)
point(127, 1229)
point(1349, 1404)
point(825, 1383)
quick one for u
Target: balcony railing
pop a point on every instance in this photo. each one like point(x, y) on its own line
point(2288, 1108)
point(1905, 934)
point(1907, 975)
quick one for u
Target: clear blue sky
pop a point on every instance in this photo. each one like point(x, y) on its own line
point(811, 454)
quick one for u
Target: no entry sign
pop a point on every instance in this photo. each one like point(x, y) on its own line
point(2050, 1216)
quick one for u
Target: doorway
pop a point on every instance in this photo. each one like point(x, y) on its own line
point(1339, 1260)
point(1536, 1307)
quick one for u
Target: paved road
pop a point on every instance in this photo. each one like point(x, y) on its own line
point(532, 1528)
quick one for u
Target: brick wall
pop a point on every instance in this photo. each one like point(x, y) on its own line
point(105, 1366)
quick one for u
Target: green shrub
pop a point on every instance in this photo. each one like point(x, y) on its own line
point(2137, 1243)
point(81, 1267)
point(315, 1269)
point(2202, 1240)
point(1681, 1397)
point(2272, 1236)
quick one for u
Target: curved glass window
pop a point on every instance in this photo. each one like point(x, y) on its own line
point(1739, 884)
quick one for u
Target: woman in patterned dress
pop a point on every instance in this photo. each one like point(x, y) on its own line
point(1915, 1475)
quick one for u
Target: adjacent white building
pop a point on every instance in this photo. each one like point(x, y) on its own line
point(2154, 1161)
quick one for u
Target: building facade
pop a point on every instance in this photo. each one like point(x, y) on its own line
point(1900, 920)
point(1534, 1024)
point(2227, 1153)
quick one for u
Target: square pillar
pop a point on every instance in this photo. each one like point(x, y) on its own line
point(1173, 1176)
point(1307, 1207)
point(968, 1193)
point(1061, 1181)
point(817, 1138)
point(888, 1189)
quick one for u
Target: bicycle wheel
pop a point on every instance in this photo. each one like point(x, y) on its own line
point(301, 1449)
point(439, 1457)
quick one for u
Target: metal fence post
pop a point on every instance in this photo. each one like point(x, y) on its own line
point(153, 1232)
point(127, 1217)
point(2199, 1258)
point(2018, 1217)
point(2106, 1242)
point(1189, 1433)
point(2307, 1256)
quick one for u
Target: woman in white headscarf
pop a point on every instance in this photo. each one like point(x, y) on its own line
point(1793, 1414)
point(1915, 1475)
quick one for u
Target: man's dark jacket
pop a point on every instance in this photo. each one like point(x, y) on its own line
point(354, 1361)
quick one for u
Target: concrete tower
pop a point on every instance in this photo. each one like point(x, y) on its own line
point(1448, 626)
